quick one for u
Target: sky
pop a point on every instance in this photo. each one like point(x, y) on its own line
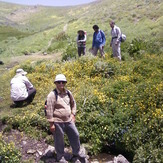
point(50, 2)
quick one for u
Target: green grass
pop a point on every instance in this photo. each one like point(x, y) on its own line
point(135, 18)
point(7, 32)
point(131, 96)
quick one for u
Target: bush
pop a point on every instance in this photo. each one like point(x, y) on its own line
point(70, 52)
point(136, 47)
point(8, 152)
point(124, 109)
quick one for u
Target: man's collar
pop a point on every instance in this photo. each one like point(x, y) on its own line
point(59, 92)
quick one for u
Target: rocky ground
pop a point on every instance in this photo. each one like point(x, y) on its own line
point(32, 149)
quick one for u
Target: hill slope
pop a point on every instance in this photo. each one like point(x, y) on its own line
point(37, 25)
point(119, 104)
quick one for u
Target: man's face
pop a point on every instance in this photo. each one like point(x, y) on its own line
point(60, 84)
point(111, 24)
point(95, 29)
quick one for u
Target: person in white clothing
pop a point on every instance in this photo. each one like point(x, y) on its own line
point(115, 41)
point(21, 88)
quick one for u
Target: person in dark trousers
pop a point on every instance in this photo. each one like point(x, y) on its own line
point(61, 111)
point(22, 89)
point(98, 42)
point(81, 42)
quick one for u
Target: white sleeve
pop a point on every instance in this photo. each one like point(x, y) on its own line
point(27, 82)
point(85, 38)
point(118, 31)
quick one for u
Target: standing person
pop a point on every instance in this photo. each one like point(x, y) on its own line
point(115, 41)
point(98, 41)
point(61, 111)
point(81, 42)
point(21, 88)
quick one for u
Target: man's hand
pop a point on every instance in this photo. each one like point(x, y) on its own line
point(52, 127)
point(73, 118)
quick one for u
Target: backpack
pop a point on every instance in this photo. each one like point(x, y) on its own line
point(56, 96)
point(123, 37)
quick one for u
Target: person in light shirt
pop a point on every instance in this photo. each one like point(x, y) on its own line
point(61, 111)
point(22, 89)
point(115, 41)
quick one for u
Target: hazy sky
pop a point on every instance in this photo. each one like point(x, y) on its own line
point(49, 2)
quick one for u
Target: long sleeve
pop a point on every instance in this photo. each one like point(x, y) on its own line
point(118, 32)
point(27, 83)
point(85, 38)
point(103, 38)
point(50, 106)
point(72, 104)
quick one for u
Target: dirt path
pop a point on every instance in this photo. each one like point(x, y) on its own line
point(16, 60)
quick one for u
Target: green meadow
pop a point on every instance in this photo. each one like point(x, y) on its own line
point(119, 103)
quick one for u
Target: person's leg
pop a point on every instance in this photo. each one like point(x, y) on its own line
point(95, 51)
point(59, 140)
point(73, 136)
point(84, 50)
point(31, 95)
point(101, 48)
point(79, 51)
point(116, 51)
point(18, 103)
point(119, 51)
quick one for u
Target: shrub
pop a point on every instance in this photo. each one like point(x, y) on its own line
point(8, 152)
point(124, 109)
point(135, 48)
point(70, 52)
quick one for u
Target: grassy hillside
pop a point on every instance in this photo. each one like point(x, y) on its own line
point(136, 18)
point(119, 103)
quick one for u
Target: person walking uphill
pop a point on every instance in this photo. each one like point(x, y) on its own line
point(81, 42)
point(61, 111)
point(21, 88)
point(98, 42)
point(115, 41)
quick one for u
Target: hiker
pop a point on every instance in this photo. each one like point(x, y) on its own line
point(21, 88)
point(98, 41)
point(81, 42)
point(61, 111)
point(115, 41)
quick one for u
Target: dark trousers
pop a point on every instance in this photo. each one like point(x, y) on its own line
point(81, 50)
point(29, 99)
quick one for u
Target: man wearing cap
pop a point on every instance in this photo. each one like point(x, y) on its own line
point(98, 42)
point(21, 88)
point(115, 41)
point(61, 113)
point(81, 42)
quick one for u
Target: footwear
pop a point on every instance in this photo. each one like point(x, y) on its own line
point(62, 160)
point(80, 157)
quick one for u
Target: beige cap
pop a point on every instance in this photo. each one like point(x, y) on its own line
point(60, 77)
point(21, 71)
